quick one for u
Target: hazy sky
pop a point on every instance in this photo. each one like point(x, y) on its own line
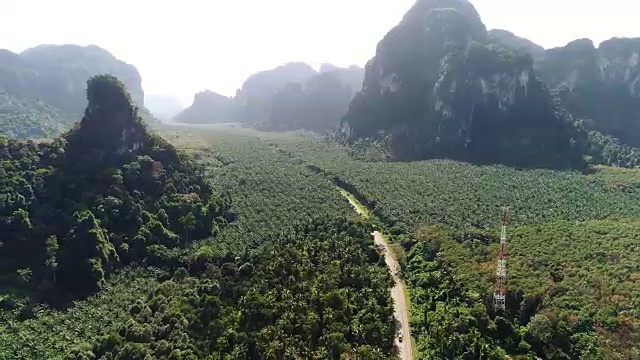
point(181, 47)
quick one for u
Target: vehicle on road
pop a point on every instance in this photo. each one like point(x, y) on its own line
point(400, 338)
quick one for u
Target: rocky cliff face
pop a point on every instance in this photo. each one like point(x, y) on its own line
point(56, 75)
point(439, 86)
point(600, 84)
point(208, 108)
point(111, 129)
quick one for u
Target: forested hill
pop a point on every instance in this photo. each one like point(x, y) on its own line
point(439, 86)
point(42, 90)
point(290, 97)
point(106, 194)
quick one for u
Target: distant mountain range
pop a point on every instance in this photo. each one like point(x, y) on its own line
point(440, 85)
point(289, 97)
point(43, 89)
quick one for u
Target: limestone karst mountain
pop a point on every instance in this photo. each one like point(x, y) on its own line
point(440, 87)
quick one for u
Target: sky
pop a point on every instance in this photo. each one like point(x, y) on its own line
point(182, 47)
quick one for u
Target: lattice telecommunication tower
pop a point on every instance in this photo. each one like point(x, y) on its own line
point(500, 293)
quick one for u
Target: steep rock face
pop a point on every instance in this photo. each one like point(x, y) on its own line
point(56, 76)
point(600, 84)
point(209, 107)
point(111, 130)
point(510, 39)
point(440, 87)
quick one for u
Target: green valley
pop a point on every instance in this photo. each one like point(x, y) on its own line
point(467, 194)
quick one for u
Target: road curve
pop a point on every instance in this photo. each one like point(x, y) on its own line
point(405, 352)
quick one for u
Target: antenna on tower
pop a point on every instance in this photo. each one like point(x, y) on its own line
point(500, 293)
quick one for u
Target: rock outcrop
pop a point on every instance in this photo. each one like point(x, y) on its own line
point(440, 87)
point(111, 130)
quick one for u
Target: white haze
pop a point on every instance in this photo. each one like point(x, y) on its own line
point(182, 47)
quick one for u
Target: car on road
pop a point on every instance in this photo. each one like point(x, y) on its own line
point(400, 337)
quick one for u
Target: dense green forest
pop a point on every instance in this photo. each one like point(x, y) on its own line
point(99, 197)
point(569, 235)
point(572, 280)
point(195, 242)
point(281, 245)
point(25, 118)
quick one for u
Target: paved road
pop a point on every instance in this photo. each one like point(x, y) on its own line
point(405, 352)
point(399, 300)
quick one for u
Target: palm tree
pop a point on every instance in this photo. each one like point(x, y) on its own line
point(189, 223)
